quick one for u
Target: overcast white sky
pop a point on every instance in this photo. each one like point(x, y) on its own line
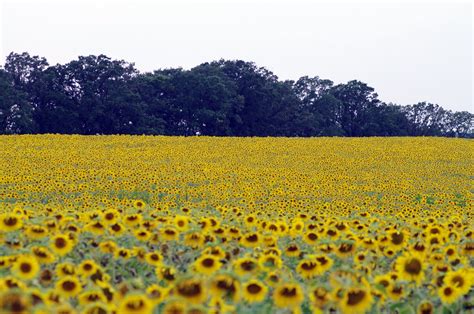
point(408, 52)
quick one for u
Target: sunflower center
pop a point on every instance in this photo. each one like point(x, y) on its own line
point(190, 290)
point(252, 238)
point(254, 288)
point(292, 248)
point(87, 267)
point(308, 266)
point(458, 281)
point(208, 262)
point(40, 253)
point(25, 267)
point(109, 216)
point(10, 221)
point(248, 266)
point(60, 243)
point(135, 304)
point(69, 285)
point(355, 297)
point(413, 266)
point(226, 285)
point(345, 248)
point(447, 291)
point(155, 294)
point(312, 236)
point(322, 260)
point(397, 238)
point(168, 275)
point(116, 227)
point(288, 292)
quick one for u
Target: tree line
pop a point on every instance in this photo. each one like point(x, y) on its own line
point(98, 95)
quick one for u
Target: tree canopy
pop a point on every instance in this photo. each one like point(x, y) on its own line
point(98, 95)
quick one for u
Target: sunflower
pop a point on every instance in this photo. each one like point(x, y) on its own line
point(98, 307)
point(448, 294)
point(225, 287)
point(254, 291)
point(87, 268)
point(46, 277)
point(169, 234)
point(139, 204)
point(15, 303)
point(92, 296)
point(308, 268)
point(135, 304)
point(61, 244)
point(311, 237)
point(324, 262)
point(425, 307)
point(397, 239)
point(207, 264)
point(181, 222)
point(194, 240)
point(142, 234)
point(191, 290)
point(153, 258)
point(382, 282)
point(108, 247)
point(270, 262)
point(288, 295)
point(319, 297)
point(345, 249)
point(65, 269)
point(68, 286)
point(42, 254)
point(461, 280)
point(410, 267)
point(26, 267)
point(156, 293)
point(396, 291)
point(132, 220)
point(246, 266)
point(175, 307)
point(10, 222)
point(166, 273)
point(250, 240)
point(215, 250)
point(117, 229)
point(292, 250)
point(35, 232)
point(123, 253)
point(95, 227)
point(110, 216)
point(355, 300)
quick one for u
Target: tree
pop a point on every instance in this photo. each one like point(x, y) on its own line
point(15, 110)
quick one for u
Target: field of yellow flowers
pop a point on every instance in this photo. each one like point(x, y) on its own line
point(138, 224)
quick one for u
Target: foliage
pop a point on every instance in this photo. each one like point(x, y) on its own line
point(98, 95)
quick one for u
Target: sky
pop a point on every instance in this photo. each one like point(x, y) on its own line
point(408, 51)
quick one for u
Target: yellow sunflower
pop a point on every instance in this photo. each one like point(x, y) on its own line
point(68, 286)
point(355, 300)
point(288, 295)
point(26, 267)
point(207, 264)
point(61, 244)
point(254, 291)
point(411, 267)
point(135, 304)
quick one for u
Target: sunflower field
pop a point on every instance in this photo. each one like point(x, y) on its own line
point(142, 224)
